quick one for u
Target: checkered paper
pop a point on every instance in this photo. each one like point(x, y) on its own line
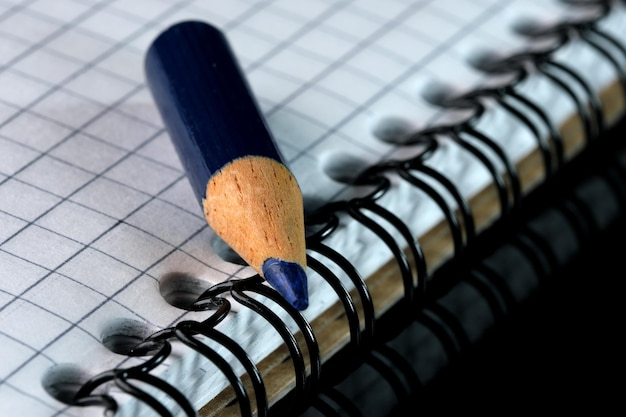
point(94, 205)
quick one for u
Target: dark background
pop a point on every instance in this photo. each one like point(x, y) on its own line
point(562, 350)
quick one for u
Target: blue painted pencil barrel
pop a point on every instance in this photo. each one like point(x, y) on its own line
point(205, 100)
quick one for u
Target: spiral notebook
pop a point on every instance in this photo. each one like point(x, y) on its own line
point(102, 240)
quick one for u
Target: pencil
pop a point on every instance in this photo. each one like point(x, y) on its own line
point(249, 197)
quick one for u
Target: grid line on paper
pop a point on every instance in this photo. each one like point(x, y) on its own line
point(14, 9)
point(32, 223)
point(36, 47)
point(110, 297)
point(46, 212)
point(76, 321)
point(157, 261)
point(29, 395)
point(11, 177)
point(76, 324)
point(107, 299)
point(94, 173)
point(24, 344)
point(332, 65)
point(60, 124)
point(91, 208)
point(494, 9)
point(67, 57)
point(362, 45)
point(309, 26)
point(44, 154)
point(252, 10)
point(262, 62)
point(93, 248)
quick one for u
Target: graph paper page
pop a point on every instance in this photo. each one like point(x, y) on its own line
point(95, 208)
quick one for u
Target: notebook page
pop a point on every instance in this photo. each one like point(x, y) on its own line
point(94, 206)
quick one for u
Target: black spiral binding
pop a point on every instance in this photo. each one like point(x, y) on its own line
point(365, 338)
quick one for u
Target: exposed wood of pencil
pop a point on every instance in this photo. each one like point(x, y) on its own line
point(331, 327)
point(266, 200)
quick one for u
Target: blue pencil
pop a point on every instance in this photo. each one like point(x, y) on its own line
point(250, 198)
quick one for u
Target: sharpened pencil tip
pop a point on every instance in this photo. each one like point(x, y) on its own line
point(289, 279)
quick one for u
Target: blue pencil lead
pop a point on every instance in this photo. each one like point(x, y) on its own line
point(289, 279)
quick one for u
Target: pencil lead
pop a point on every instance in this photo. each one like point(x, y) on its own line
point(289, 279)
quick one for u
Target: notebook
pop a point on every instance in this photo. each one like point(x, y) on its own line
point(100, 232)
